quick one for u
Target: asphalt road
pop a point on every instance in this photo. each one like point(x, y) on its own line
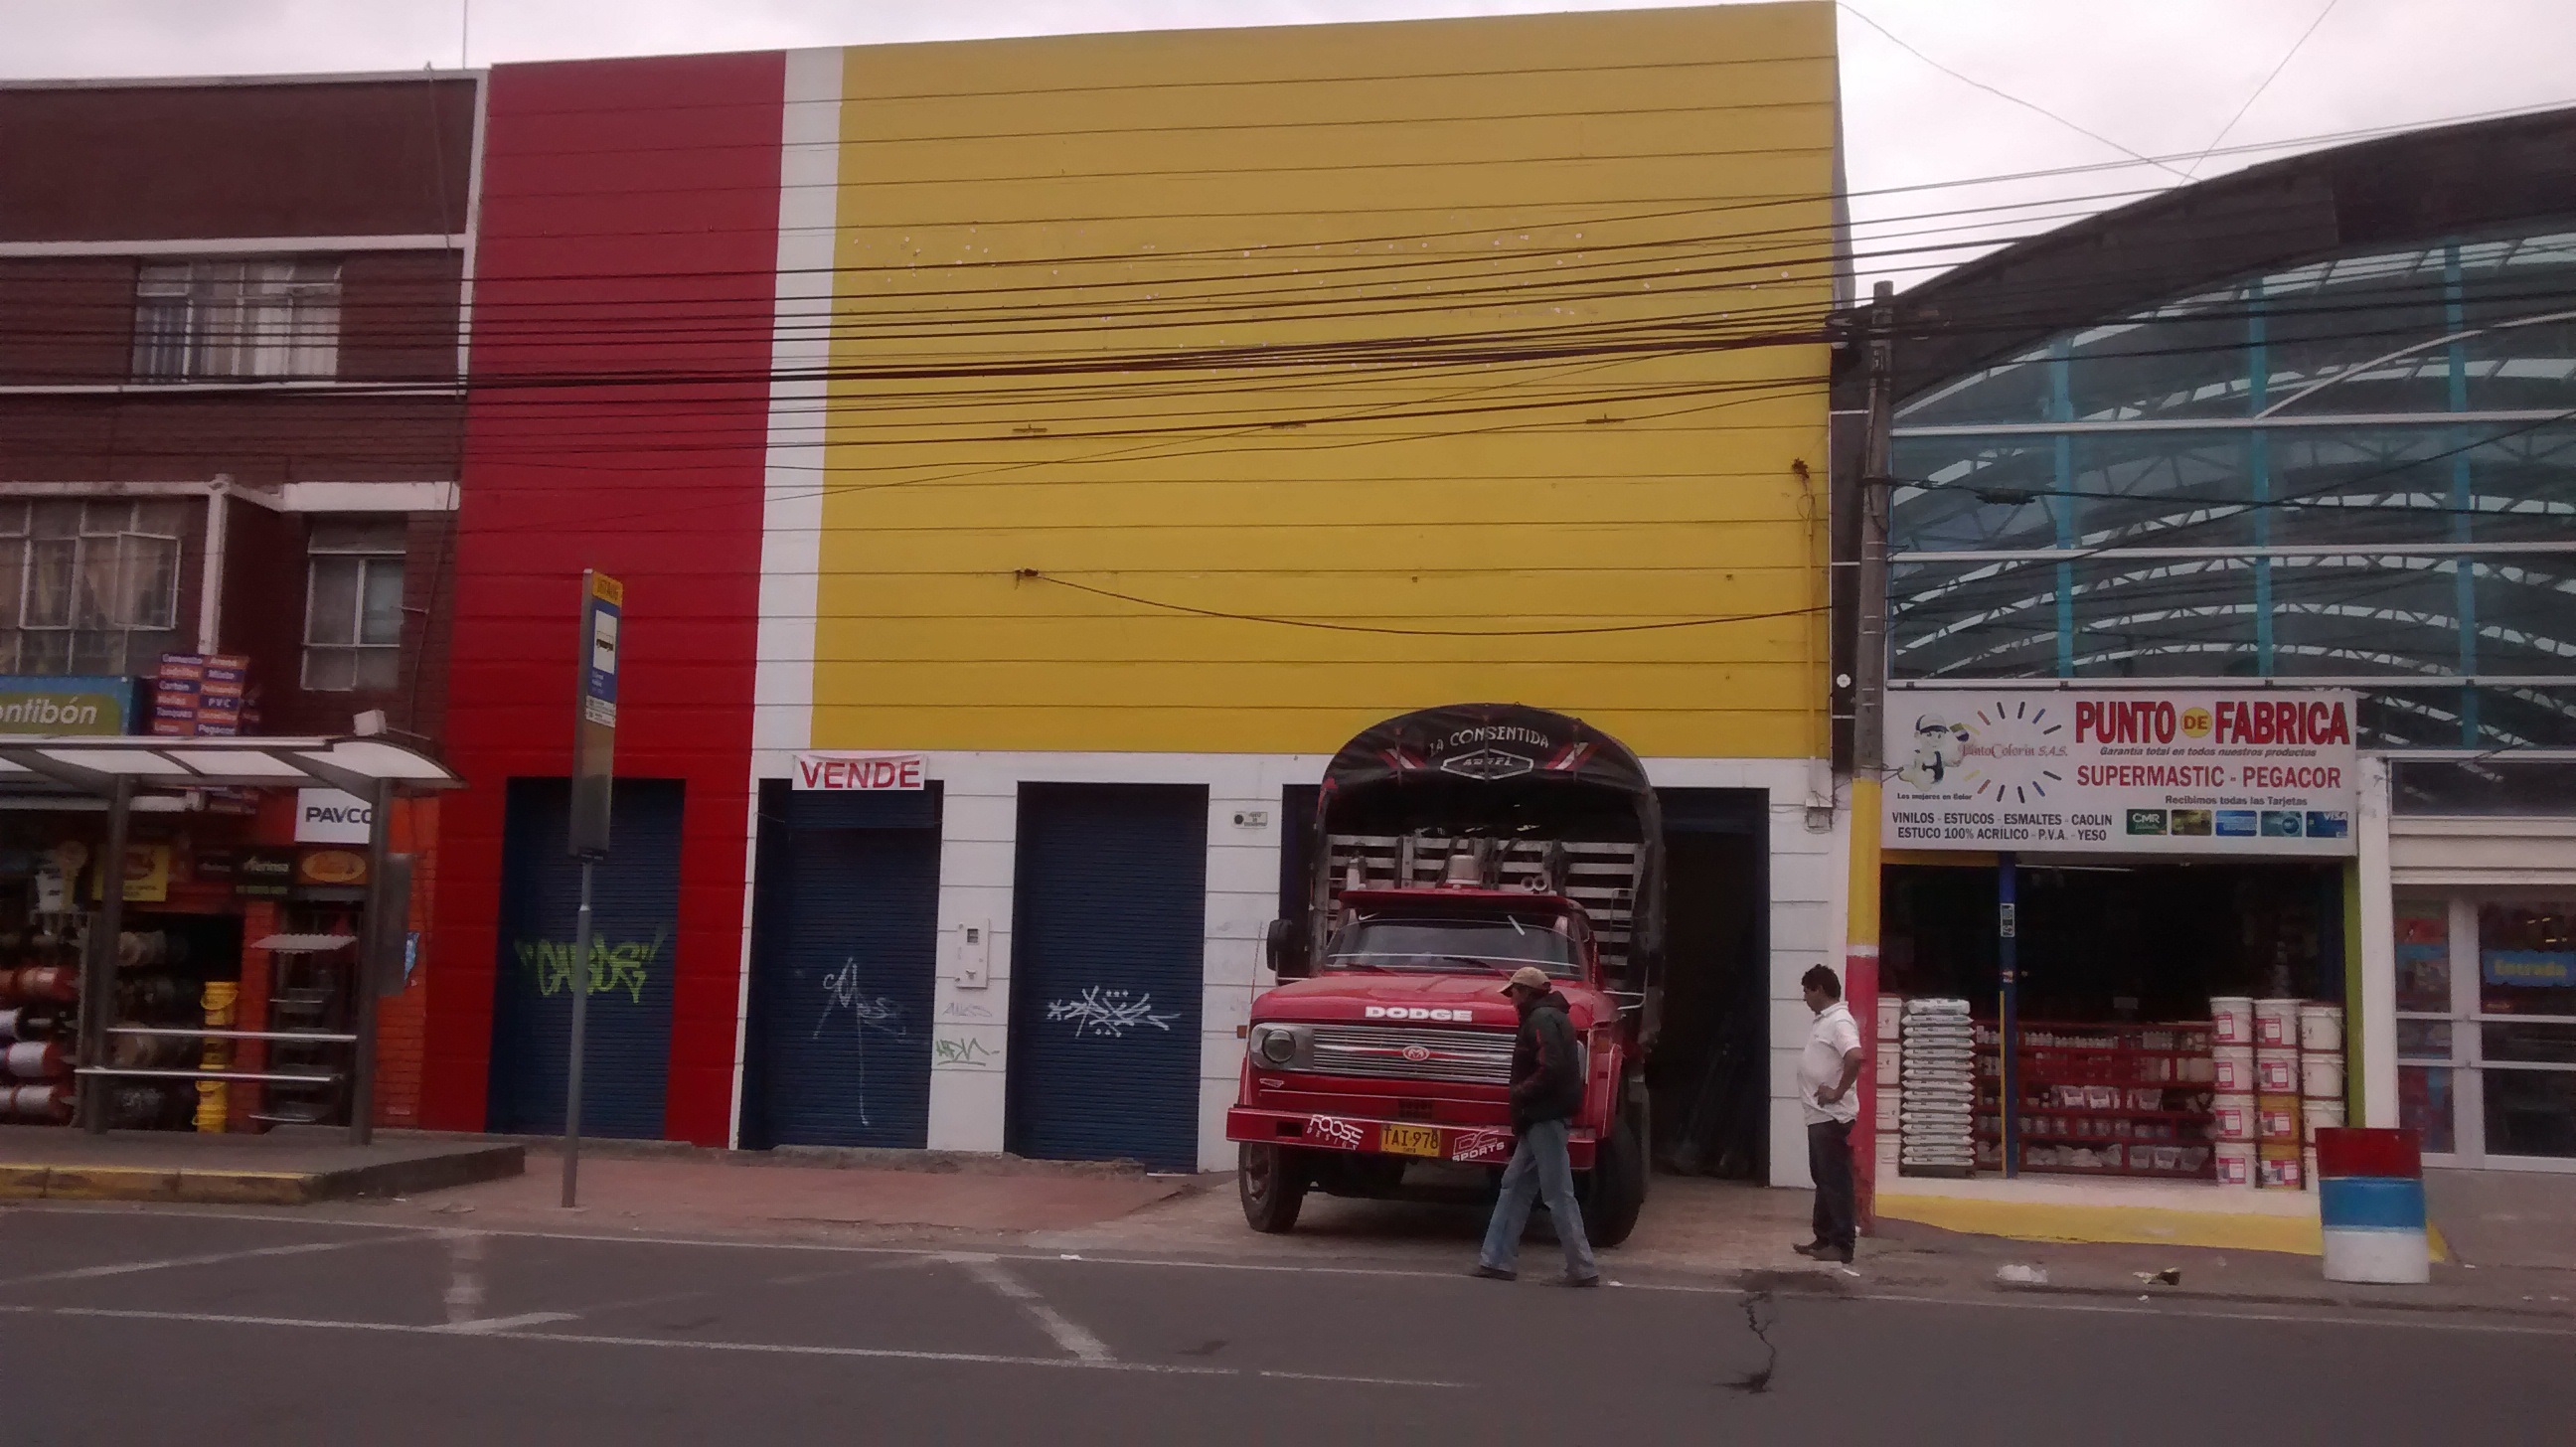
point(151, 1327)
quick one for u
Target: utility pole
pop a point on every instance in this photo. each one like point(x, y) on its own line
point(1869, 740)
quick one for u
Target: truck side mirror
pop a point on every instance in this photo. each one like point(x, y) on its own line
point(1286, 945)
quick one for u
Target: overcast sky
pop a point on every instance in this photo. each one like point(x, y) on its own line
point(2158, 77)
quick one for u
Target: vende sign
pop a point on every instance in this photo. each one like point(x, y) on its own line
point(2121, 771)
point(858, 771)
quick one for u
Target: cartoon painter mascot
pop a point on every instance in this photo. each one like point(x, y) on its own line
point(1938, 748)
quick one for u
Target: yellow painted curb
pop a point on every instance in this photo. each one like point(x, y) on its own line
point(110, 1183)
point(22, 1183)
point(2126, 1225)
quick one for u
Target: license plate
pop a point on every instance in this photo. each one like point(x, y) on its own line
point(1409, 1140)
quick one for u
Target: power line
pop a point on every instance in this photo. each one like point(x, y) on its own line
point(2270, 76)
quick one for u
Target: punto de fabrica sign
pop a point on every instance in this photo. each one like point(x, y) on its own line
point(2121, 771)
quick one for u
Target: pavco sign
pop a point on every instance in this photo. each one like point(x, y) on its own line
point(329, 816)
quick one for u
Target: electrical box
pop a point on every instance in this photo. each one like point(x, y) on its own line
point(974, 955)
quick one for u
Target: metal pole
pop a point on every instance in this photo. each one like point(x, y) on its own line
point(2008, 1017)
point(99, 961)
point(377, 935)
point(580, 983)
point(1869, 749)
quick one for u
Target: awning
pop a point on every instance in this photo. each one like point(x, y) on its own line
point(94, 765)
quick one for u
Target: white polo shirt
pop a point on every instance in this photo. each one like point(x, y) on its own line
point(1833, 1036)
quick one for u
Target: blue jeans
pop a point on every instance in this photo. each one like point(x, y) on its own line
point(1539, 1168)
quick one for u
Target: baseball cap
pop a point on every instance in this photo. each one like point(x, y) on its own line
point(1529, 977)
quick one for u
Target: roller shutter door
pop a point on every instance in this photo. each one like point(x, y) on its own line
point(1108, 943)
point(634, 929)
point(845, 947)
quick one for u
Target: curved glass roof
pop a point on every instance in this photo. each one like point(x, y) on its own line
point(2361, 469)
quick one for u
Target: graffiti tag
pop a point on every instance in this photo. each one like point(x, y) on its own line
point(965, 1054)
point(612, 966)
point(1109, 1012)
point(869, 1015)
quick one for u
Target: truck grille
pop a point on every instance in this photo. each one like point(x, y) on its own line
point(1395, 1052)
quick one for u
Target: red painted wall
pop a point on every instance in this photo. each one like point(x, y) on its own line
point(622, 304)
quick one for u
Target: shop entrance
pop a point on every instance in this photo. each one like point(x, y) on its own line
point(2486, 1025)
point(2118, 967)
point(1708, 1077)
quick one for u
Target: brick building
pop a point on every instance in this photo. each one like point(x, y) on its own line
point(230, 421)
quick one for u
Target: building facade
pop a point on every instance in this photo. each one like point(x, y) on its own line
point(2307, 427)
point(1098, 431)
point(230, 428)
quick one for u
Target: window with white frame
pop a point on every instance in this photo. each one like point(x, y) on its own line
point(214, 320)
point(353, 611)
point(89, 586)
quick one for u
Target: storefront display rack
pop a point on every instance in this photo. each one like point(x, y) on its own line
point(2103, 1099)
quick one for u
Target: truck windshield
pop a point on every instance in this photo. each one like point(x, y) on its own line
point(1432, 942)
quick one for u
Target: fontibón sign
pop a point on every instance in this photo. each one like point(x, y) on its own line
point(858, 771)
point(2121, 771)
point(31, 704)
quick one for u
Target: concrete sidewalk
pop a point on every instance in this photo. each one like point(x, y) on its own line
point(285, 1167)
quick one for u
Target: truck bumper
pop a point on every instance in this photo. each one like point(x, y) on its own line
point(1422, 1140)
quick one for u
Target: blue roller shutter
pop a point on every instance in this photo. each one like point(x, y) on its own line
point(1108, 942)
point(634, 924)
point(844, 952)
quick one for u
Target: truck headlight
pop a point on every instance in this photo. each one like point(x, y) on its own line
point(1274, 1045)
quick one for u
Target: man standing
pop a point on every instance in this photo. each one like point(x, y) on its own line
point(1826, 1072)
point(1547, 1087)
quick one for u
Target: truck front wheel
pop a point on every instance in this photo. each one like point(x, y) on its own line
point(1616, 1191)
point(1273, 1185)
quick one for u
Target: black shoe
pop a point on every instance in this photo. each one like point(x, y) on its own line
point(1570, 1280)
point(1842, 1254)
point(1813, 1250)
point(1494, 1273)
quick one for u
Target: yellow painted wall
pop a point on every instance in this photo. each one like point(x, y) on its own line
point(1439, 231)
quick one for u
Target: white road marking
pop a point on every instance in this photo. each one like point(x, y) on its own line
point(1068, 1334)
point(1155, 1369)
point(2397, 1317)
point(129, 1268)
point(482, 1325)
point(464, 1277)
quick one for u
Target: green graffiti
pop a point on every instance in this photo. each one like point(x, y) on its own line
point(612, 967)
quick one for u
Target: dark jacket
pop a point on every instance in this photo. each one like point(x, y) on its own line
point(1547, 1070)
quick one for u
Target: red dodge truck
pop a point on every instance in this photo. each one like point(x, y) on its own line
point(1451, 847)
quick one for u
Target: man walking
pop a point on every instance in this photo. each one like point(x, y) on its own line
point(1547, 1087)
point(1826, 1072)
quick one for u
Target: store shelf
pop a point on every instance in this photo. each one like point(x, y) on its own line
point(2150, 1174)
point(2102, 1112)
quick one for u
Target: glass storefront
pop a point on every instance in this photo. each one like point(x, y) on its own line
point(2486, 1025)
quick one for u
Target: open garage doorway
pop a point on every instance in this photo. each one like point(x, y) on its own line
point(1708, 1073)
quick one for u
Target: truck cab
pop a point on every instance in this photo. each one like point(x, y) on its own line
point(1388, 1045)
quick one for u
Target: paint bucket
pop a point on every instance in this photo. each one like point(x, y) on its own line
point(2231, 1118)
point(2277, 1166)
point(2276, 1072)
point(2308, 1163)
point(1891, 1108)
point(2276, 1118)
point(36, 1102)
point(2235, 1163)
point(2276, 1024)
point(1891, 1060)
point(33, 1059)
point(2231, 1020)
point(2321, 1077)
point(218, 1001)
point(2317, 1115)
point(59, 983)
point(2232, 1070)
point(1891, 1017)
point(2321, 1028)
point(210, 1106)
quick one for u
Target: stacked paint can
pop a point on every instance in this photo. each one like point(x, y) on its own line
point(2233, 1124)
point(2321, 1078)
point(217, 1000)
point(1891, 1089)
point(1938, 1115)
point(2370, 1206)
point(38, 1026)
